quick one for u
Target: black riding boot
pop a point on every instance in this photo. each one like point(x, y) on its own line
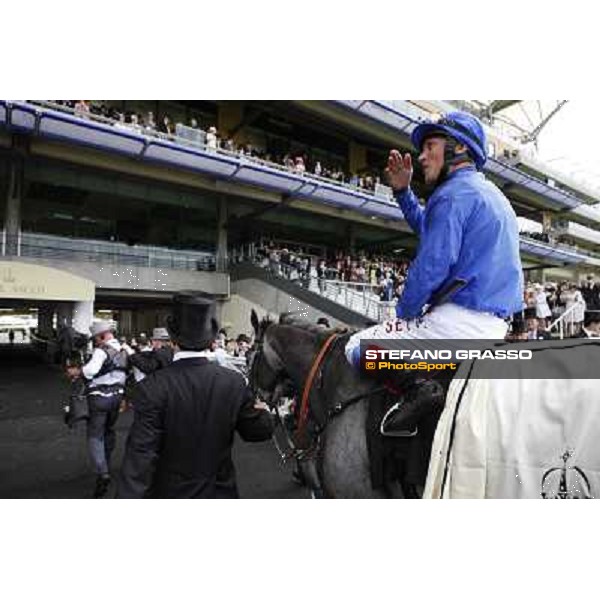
point(102, 485)
point(403, 418)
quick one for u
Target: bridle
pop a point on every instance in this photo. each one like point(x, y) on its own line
point(256, 356)
point(298, 447)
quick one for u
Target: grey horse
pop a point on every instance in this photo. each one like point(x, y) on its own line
point(335, 447)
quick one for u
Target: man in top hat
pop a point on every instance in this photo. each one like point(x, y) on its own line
point(186, 415)
point(591, 325)
point(534, 331)
point(159, 357)
point(105, 375)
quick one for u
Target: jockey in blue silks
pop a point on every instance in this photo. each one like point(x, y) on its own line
point(468, 231)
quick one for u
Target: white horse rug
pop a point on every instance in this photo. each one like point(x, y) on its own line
point(521, 438)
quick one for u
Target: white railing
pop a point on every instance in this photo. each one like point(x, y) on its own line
point(37, 245)
point(357, 296)
point(566, 322)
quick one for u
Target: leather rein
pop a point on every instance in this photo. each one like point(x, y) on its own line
point(297, 449)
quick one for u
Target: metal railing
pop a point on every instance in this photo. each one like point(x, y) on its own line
point(357, 296)
point(33, 245)
point(184, 137)
point(563, 323)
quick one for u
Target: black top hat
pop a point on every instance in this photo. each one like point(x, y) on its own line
point(192, 325)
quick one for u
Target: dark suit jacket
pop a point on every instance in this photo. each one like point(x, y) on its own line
point(543, 335)
point(179, 445)
point(148, 362)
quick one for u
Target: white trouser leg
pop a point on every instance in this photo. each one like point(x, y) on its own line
point(449, 322)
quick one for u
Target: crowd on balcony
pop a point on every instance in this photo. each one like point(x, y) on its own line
point(296, 161)
point(554, 240)
point(540, 237)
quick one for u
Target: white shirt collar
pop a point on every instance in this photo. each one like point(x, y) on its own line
point(193, 354)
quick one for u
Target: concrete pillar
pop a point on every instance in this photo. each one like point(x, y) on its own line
point(222, 236)
point(145, 320)
point(220, 311)
point(351, 233)
point(45, 319)
point(12, 218)
point(357, 157)
point(125, 324)
point(546, 221)
point(229, 118)
point(83, 315)
point(64, 314)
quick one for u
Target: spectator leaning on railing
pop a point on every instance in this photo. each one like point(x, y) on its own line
point(299, 162)
point(211, 138)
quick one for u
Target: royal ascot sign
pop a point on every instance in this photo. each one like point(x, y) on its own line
point(26, 281)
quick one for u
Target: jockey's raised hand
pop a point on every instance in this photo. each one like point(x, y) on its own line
point(399, 170)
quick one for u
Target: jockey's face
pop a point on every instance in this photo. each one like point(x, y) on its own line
point(432, 158)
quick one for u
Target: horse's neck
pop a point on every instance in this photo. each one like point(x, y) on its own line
point(297, 349)
point(344, 380)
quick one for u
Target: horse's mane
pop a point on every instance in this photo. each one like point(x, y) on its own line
point(294, 320)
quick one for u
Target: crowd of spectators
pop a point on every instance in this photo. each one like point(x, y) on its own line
point(299, 161)
point(551, 239)
point(384, 275)
point(232, 345)
point(544, 303)
point(540, 237)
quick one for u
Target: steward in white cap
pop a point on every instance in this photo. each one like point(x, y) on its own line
point(105, 375)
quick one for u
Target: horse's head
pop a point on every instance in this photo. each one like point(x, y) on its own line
point(282, 354)
point(265, 368)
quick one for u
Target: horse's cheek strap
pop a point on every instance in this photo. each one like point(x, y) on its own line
point(309, 381)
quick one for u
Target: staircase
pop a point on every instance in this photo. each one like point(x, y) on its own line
point(353, 304)
point(564, 325)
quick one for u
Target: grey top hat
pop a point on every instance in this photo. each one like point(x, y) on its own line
point(99, 327)
point(161, 334)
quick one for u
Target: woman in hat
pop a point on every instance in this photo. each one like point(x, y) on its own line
point(542, 310)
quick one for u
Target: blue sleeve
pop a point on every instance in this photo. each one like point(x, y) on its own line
point(413, 211)
point(438, 252)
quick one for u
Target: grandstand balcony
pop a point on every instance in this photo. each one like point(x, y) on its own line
point(578, 233)
point(189, 151)
point(560, 254)
point(404, 116)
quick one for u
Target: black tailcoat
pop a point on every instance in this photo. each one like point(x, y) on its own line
point(179, 445)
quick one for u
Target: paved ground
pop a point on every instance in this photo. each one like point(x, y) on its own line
point(41, 458)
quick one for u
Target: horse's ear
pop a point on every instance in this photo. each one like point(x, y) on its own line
point(254, 321)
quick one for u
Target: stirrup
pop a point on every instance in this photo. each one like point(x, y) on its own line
point(401, 433)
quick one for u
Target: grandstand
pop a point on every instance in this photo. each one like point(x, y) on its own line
point(115, 205)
